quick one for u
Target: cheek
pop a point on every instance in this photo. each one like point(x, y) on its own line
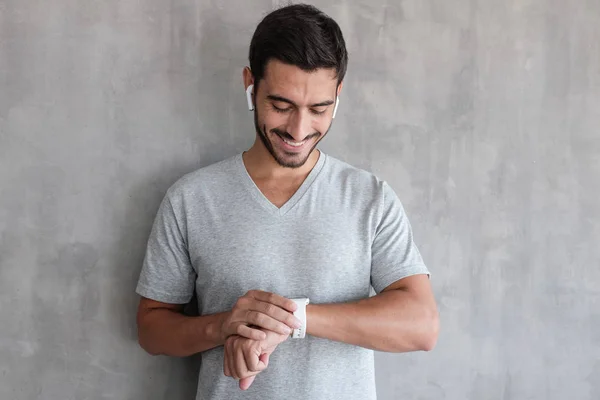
point(275, 120)
point(321, 125)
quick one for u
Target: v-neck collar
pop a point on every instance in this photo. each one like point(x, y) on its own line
point(264, 201)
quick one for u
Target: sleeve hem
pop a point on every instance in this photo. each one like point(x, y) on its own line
point(161, 296)
point(397, 274)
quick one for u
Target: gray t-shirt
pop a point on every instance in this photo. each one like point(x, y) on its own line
point(341, 232)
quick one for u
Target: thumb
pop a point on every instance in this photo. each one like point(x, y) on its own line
point(265, 359)
point(246, 382)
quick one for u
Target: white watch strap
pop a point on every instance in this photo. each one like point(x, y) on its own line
point(300, 313)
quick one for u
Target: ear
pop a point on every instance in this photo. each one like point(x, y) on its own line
point(339, 88)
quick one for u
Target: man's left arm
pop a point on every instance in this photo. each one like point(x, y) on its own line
point(402, 318)
point(403, 315)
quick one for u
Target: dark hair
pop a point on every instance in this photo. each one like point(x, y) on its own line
point(300, 35)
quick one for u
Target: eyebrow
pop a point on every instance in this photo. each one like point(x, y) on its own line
point(275, 97)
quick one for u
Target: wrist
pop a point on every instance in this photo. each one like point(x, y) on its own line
point(216, 331)
point(312, 318)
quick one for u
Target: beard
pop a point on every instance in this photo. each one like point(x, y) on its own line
point(287, 160)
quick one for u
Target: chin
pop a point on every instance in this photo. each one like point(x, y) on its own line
point(292, 159)
point(287, 160)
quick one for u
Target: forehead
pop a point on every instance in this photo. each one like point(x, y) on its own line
point(289, 80)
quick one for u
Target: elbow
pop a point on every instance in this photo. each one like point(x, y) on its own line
point(422, 336)
point(145, 343)
point(146, 346)
point(431, 328)
point(149, 349)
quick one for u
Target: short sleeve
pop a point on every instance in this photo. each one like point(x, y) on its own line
point(167, 274)
point(394, 255)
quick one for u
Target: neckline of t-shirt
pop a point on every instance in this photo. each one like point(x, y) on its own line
point(262, 199)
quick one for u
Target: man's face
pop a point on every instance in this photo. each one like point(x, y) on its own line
point(293, 111)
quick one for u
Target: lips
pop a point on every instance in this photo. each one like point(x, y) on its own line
point(293, 148)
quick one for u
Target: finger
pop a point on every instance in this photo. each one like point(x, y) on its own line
point(262, 363)
point(250, 333)
point(273, 298)
point(251, 357)
point(247, 382)
point(240, 363)
point(230, 357)
point(225, 368)
point(267, 322)
point(226, 362)
point(276, 312)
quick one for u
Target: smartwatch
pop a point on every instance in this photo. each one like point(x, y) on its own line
point(300, 313)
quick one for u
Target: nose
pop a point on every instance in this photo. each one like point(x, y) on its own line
point(300, 125)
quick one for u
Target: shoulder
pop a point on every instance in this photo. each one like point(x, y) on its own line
point(363, 188)
point(198, 183)
point(349, 176)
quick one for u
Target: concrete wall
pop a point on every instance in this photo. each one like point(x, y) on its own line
point(483, 115)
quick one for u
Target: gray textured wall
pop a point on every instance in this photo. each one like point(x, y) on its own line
point(484, 115)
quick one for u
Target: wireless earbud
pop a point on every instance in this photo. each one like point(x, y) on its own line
point(337, 102)
point(249, 97)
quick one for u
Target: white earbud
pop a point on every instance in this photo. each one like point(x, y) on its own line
point(337, 103)
point(249, 97)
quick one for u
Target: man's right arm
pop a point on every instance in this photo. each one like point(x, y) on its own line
point(163, 329)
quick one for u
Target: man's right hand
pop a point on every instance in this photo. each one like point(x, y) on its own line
point(243, 358)
point(261, 309)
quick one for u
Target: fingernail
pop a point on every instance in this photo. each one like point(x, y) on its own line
point(297, 323)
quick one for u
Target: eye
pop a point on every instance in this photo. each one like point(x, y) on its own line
point(281, 110)
point(318, 112)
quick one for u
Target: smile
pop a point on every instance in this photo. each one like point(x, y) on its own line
point(291, 145)
point(295, 144)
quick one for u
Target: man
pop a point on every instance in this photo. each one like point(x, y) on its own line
point(261, 234)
